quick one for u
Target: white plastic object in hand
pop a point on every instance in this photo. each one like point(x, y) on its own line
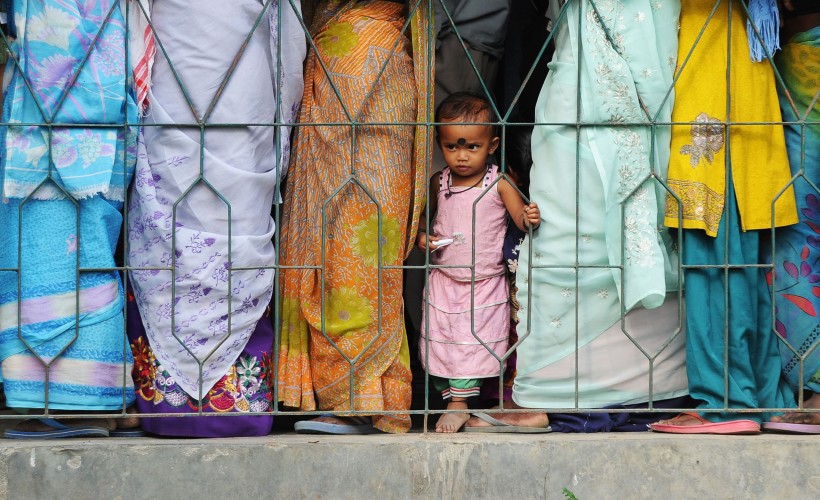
point(443, 242)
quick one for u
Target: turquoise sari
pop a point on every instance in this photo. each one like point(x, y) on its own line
point(62, 339)
point(601, 252)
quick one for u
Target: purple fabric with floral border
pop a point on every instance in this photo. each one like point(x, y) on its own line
point(245, 389)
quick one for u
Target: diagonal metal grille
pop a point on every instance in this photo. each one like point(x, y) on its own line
point(75, 114)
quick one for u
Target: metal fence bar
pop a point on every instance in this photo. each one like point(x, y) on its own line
point(355, 120)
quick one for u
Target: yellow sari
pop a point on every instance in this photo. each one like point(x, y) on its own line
point(352, 191)
point(697, 167)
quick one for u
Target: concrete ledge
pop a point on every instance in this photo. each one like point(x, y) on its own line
point(465, 466)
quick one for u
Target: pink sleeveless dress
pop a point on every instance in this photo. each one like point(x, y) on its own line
point(456, 320)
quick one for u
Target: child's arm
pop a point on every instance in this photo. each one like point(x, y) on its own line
point(524, 216)
point(423, 238)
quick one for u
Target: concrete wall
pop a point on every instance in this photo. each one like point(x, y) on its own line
point(415, 466)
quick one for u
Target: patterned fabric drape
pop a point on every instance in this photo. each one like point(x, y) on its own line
point(351, 207)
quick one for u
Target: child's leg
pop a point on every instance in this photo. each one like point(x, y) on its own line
point(457, 391)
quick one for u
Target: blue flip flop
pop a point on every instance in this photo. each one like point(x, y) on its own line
point(127, 433)
point(58, 431)
point(354, 428)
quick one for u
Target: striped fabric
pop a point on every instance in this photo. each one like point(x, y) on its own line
point(142, 69)
point(66, 348)
point(453, 392)
point(141, 47)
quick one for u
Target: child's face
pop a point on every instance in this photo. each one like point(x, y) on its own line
point(466, 147)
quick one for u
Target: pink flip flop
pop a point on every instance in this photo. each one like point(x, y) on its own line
point(706, 427)
point(791, 428)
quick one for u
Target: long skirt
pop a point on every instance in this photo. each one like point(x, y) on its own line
point(797, 248)
point(744, 326)
point(593, 280)
point(200, 232)
point(352, 201)
point(83, 357)
point(62, 339)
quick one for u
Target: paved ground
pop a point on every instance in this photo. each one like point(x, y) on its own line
point(632, 466)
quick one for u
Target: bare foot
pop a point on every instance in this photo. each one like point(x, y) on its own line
point(529, 419)
point(803, 418)
point(682, 419)
point(453, 422)
point(129, 422)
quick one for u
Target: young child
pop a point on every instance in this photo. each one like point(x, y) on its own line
point(467, 312)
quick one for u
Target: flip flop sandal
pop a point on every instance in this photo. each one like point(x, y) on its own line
point(791, 428)
point(127, 433)
point(58, 431)
point(499, 426)
point(731, 427)
point(357, 426)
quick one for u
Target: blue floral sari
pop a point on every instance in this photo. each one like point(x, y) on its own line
point(62, 340)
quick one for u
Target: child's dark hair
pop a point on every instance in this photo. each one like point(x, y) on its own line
point(467, 107)
point(519, 155)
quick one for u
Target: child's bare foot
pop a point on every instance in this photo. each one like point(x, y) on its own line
point(453, 422)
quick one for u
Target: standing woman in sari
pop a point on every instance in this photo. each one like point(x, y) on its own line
point(62, 191)
point(577, 351)
point(597, 282)
point(200, 205)
point(797, 250)
point(352, 201)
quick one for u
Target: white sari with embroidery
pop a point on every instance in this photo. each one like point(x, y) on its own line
point(571, 315)
point(201, 198)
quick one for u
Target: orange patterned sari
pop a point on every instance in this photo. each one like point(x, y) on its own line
point(352, 203)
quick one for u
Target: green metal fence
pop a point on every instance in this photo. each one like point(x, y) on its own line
point(504, 118)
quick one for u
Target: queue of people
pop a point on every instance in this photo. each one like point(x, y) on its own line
point(641, 256)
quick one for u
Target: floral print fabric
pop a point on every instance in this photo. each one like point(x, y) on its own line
point(66, 348)
point(53, 41)
point(352, 212)
point(245, 388)
point(201, 204)
point(796, 276)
